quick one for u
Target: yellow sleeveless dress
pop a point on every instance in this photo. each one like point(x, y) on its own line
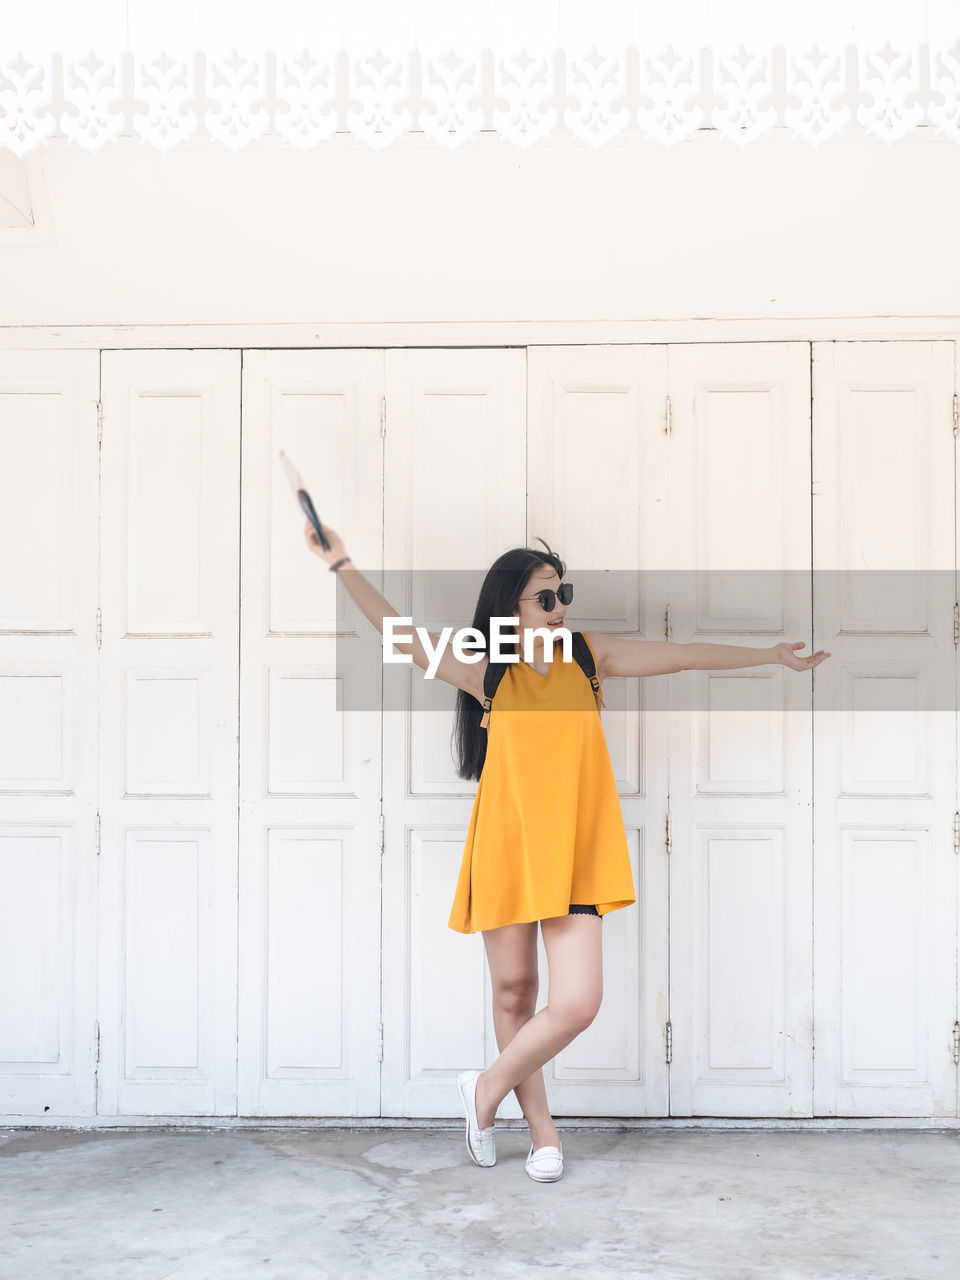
point(546, 828)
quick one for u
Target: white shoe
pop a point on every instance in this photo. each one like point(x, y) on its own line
point(480, 1142)
point(545, 1164)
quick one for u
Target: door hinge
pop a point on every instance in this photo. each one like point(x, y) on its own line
point(99, 627)
point(956, 831)
point(956, 624)
point(97, 1064)
point(956, 1044)
point(669, 1041)
point(667, 623)
point(99, 833)
point(380, 1043)
point(668, 417)
point(99, 422)
point(380, 872)
point(383, 416)
point(956, 414)
point(668, 833)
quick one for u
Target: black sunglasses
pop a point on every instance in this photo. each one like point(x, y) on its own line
point(549, 598)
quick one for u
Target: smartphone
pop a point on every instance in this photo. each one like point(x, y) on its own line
point(303, 497)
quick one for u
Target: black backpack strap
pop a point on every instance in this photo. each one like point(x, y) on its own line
point(491, 680)
point(584, 656)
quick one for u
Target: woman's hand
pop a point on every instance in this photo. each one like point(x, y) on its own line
point(337, 549)
point(783, 654)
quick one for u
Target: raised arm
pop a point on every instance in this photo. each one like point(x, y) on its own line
point(624, 656)
point(463, 675)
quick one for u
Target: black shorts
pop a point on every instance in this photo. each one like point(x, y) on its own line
point(582, 909)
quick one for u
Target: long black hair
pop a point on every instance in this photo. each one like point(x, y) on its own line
point(499, 598)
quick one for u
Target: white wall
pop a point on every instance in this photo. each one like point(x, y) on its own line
point(489, 232)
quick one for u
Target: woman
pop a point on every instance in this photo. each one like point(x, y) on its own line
point(546, 843)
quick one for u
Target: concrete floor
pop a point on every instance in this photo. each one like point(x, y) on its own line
point(385, 1203)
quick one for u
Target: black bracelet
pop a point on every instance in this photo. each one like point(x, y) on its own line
point(334, 567)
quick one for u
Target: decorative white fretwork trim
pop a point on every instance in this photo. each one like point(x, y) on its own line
point(381, 97)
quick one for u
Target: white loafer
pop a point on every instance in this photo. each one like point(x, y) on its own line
point(545, 1164)
point(480, 1142)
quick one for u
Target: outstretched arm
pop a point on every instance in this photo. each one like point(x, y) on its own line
point(624, 656)
point(463, 675)
point(721, 657)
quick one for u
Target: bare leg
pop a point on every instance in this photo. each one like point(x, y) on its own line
point(512, 960)
point(574, 954)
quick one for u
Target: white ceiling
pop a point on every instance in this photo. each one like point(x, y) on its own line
point(182, 26)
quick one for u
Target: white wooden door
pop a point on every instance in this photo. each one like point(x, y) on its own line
point(956, 702)
point(170, 522)
point(454, 499)
point(812, 865)
point(309, 957)
point(886, 728)
point(597, 493)
point(741, 943)
point(48, 732)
